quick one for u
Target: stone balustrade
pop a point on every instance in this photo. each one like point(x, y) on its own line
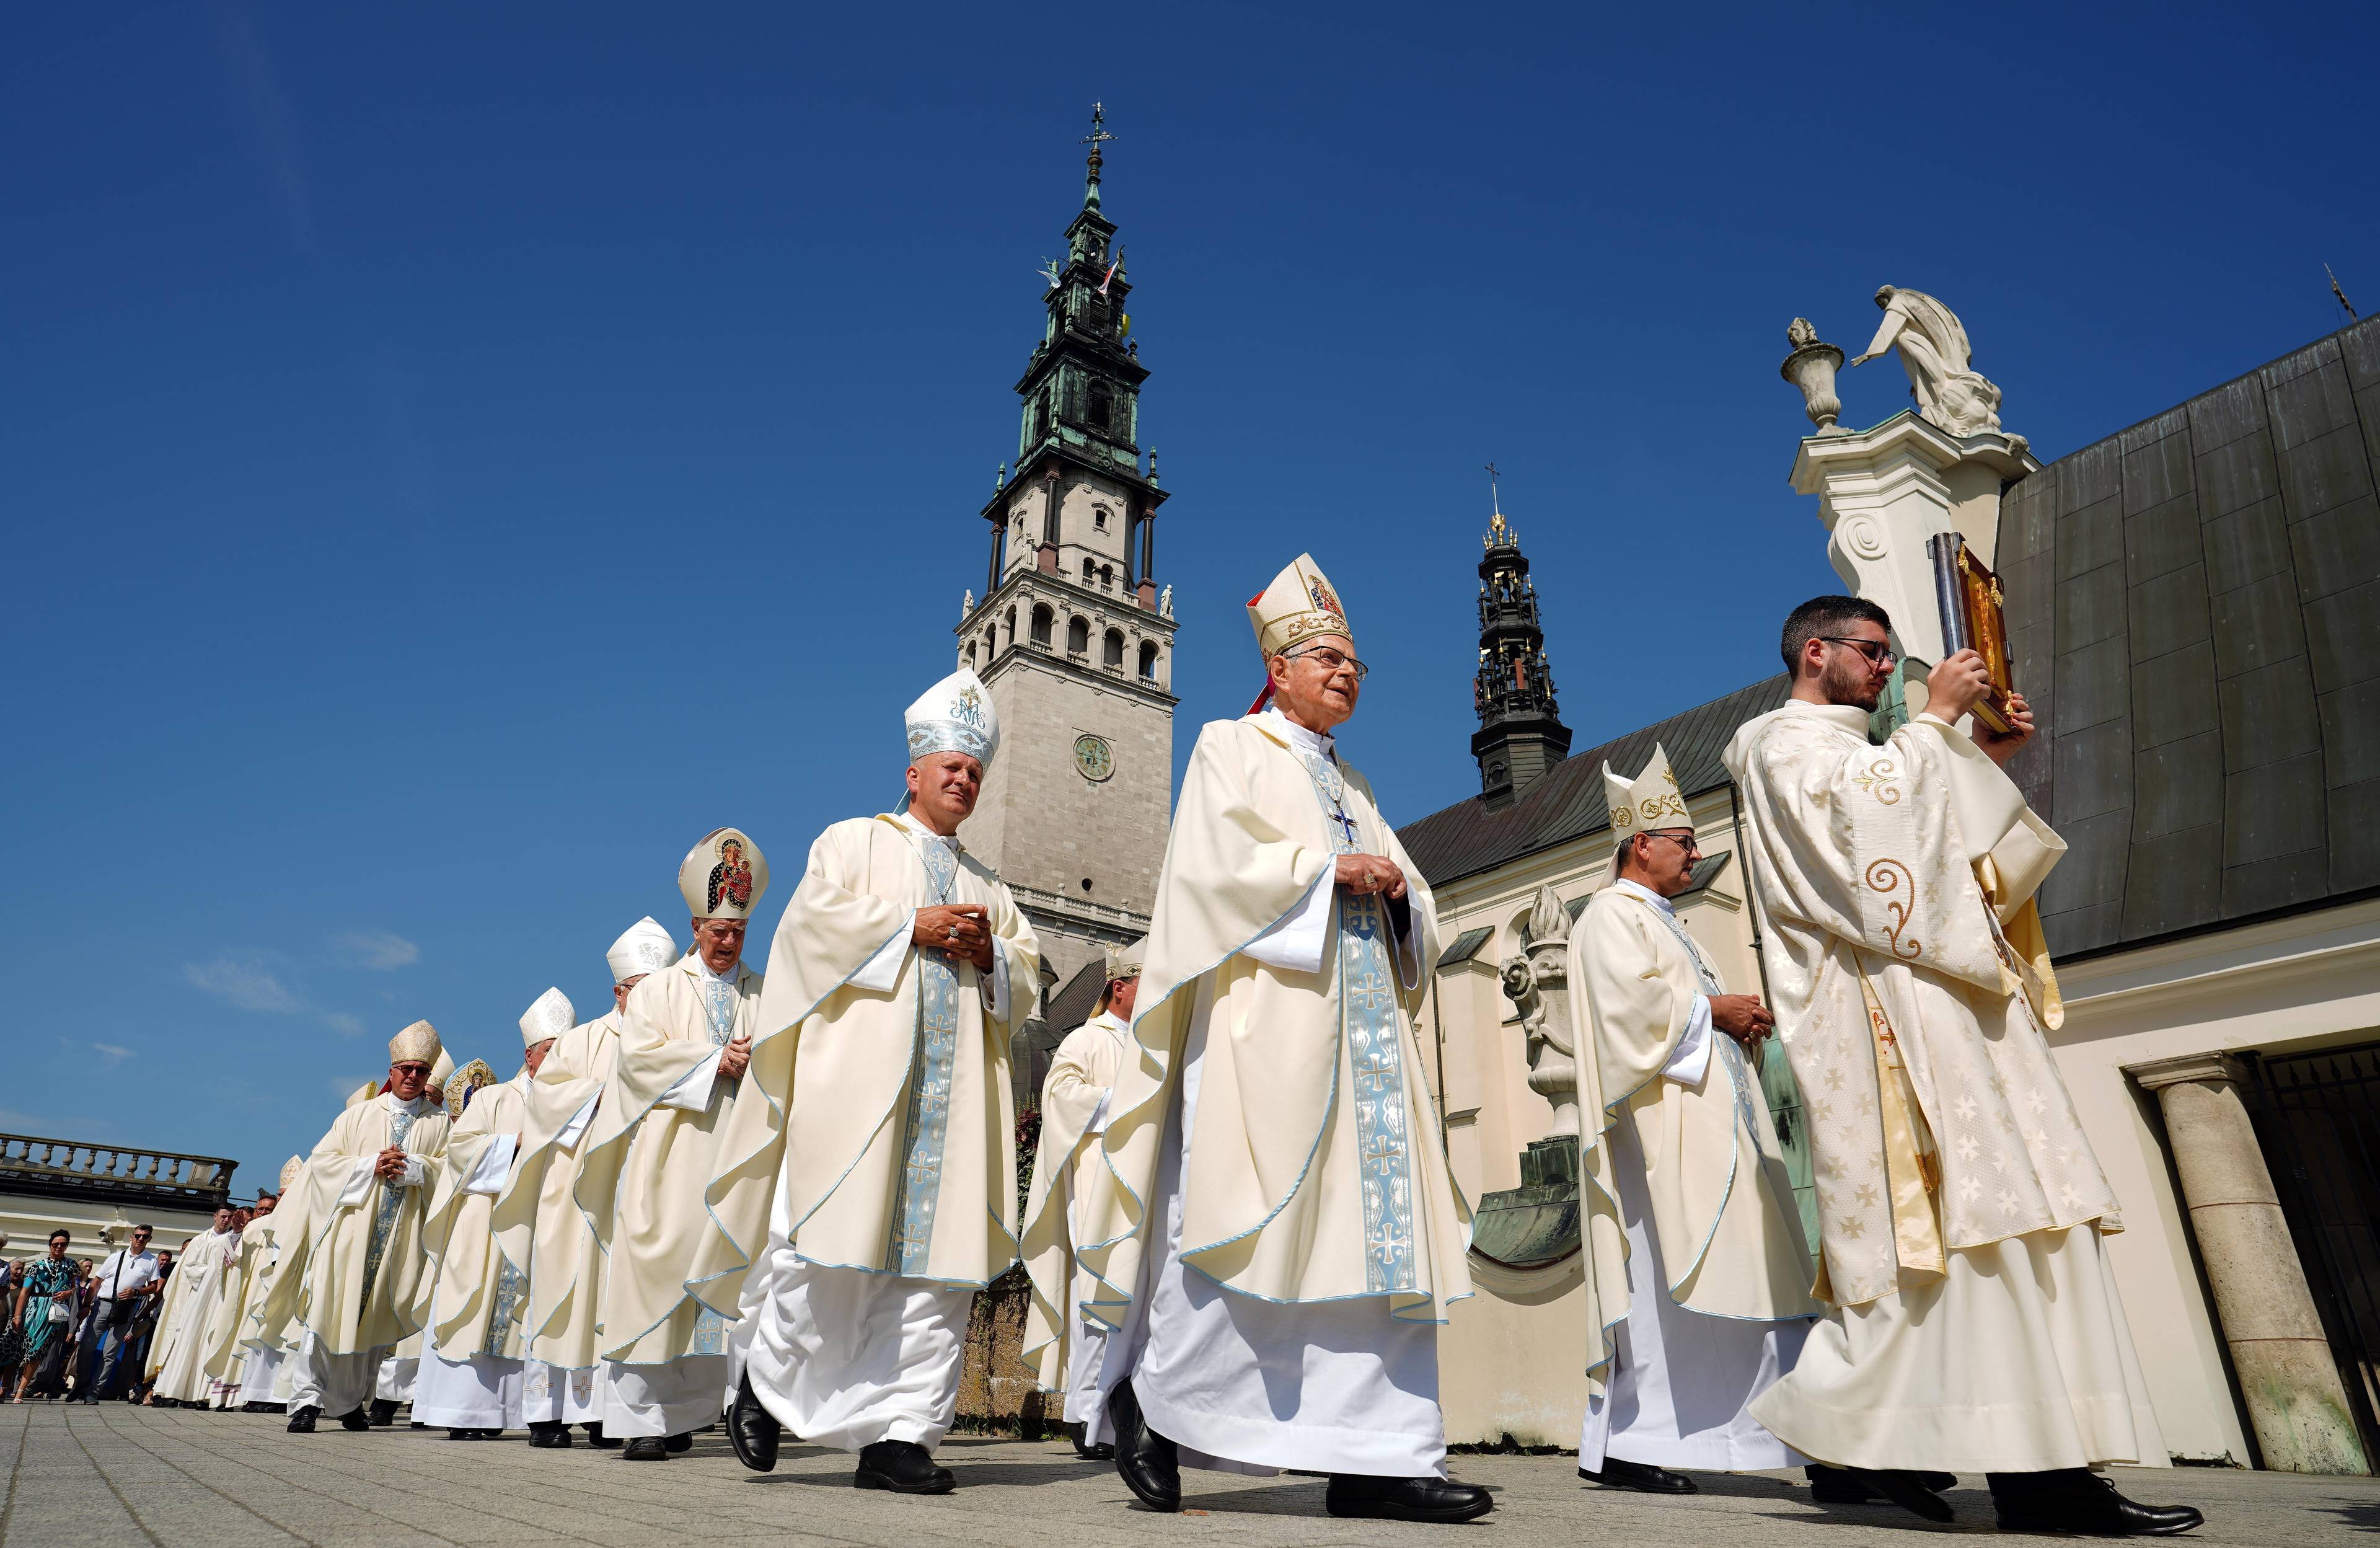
point(31, 1163)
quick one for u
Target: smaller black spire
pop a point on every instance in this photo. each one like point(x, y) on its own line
point(1521, 735)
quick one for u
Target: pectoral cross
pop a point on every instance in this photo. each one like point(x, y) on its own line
point(1347, 823)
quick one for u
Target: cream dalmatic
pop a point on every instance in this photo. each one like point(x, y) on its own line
point(203, 1274)
point(1960, 1203)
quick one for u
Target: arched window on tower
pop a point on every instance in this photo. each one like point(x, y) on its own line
point(1012, 628)
point(1090, 572)
point(970, 655)
point(1102, 407)
point(1100, 519)
point(1106, 577)
point(1113, 654)
point(1149, 659)
point(1042, 620)
point(1078, 637)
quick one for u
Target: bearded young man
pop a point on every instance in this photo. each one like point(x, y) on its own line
point(1978, 1327)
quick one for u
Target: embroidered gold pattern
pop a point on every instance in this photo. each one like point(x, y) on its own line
point(1889, 876)
point(1877, 782)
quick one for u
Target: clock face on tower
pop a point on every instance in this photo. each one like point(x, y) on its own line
point(1093, 758)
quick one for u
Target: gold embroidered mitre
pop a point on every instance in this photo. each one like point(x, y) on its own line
point(290, 1170)
point(418, 1042)
point(1649, 802)
point(723, 876)
point(1299, 605)
point(1124, 962)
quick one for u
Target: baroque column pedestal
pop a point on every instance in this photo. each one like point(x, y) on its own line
point(2288, 1374)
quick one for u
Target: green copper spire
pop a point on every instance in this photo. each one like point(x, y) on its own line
point(1098, 136)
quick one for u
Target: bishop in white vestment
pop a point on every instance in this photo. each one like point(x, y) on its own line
point(873, 1173)
point(677, 1080)
point(1073, 1115)
point(1959, 1205)
point(264, 1362)
point(201, 1274)
point(562, 1378)
point(350, 1287)
point(1697, 1273)
point(1279, 1236)
point(471, 1363)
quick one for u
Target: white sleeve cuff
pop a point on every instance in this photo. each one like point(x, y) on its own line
point(1407, 946)
point(411, 1175)
point(994, 985)
point(692, 1092)
point(495, 1166)
point(1099, 1124)
point(1294, 941)
point(882, 972)
point(1692, 1060)
point(572, 1131)
point(359, 1183)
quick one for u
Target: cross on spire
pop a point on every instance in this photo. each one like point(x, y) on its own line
point(1098, 137)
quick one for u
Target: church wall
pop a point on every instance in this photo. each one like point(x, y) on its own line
point(99, 1228)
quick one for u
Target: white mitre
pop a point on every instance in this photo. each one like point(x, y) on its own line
point(419, 1042)
point(723, 876)
point(1124, 962)
point(1650, 801)
point(364, 1092)
point(955, 715)
point(290, 1170)
point(547, 1016)
point(646, 948)
point(1299, 605)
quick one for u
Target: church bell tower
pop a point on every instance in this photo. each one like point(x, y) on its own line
point(1072, 634)
point(1521, 735)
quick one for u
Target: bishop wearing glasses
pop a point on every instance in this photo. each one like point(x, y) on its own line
point(1276, 1237)
point(1961, 1210)
point(1697, 1273)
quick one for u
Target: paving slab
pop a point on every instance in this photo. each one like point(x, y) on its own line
point(108, 1475)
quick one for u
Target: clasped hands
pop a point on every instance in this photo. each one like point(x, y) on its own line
point(1955, 686)
point(1742, 1017)
point(961, 930)
point(389, 1165)
point(1369, 873)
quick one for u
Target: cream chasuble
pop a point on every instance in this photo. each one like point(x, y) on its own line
point(1073, 1111)
point(537, 1221)
point(641, 1182)
point(1721, 1203)
point(888, 1122)
point(227, 1328)
point(178, 1353)
point(351, 1281)
point(1312, 1171)
point(469, 1304)
point(1960, 1203)
point(281, 1238)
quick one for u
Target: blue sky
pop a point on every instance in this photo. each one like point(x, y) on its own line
point(454, 457)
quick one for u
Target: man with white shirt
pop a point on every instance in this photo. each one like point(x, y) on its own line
point(1073, 1111)
point(873, 1172)
point(471, 1308)
point(537, 1219)
point(1697, 1273)
point(1279, 1236)
point(351, 1285)
point(123, 1279)
point(684, 1043)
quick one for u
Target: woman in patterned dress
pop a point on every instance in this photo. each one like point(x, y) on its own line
point(47, 1282)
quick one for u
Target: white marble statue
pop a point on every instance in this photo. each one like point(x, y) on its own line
point(1537, 981)
point(1165, 603)
point(1934, 349)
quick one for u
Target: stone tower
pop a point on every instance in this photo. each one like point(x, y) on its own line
point(1521, 735)
point(1071, 635)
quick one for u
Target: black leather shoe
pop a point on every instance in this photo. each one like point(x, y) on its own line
point(1406, 1499)
point(679, 1443)
point(383, 1411)
point(1642, 1477)
point(302, 1421)
point(1146, 1461)
point(644, 1448)
point(1841, 1485)
point(1102, 1451)
point(599, 1440)
point(903, 1467)
point(1904, 1488)
point(2078, 1500)
point(353, 1419)
point(752, 1429)
point(454, 1434)
point(546, 1434)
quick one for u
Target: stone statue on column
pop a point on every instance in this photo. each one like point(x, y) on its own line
point(1537, 980)
point(1935, 351)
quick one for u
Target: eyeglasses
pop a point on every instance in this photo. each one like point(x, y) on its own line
point(410, 1070)
point(1876, 650)
point(1334, 662)
point(1691, 845)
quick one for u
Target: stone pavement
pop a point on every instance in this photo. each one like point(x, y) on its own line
point(112, 1475)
